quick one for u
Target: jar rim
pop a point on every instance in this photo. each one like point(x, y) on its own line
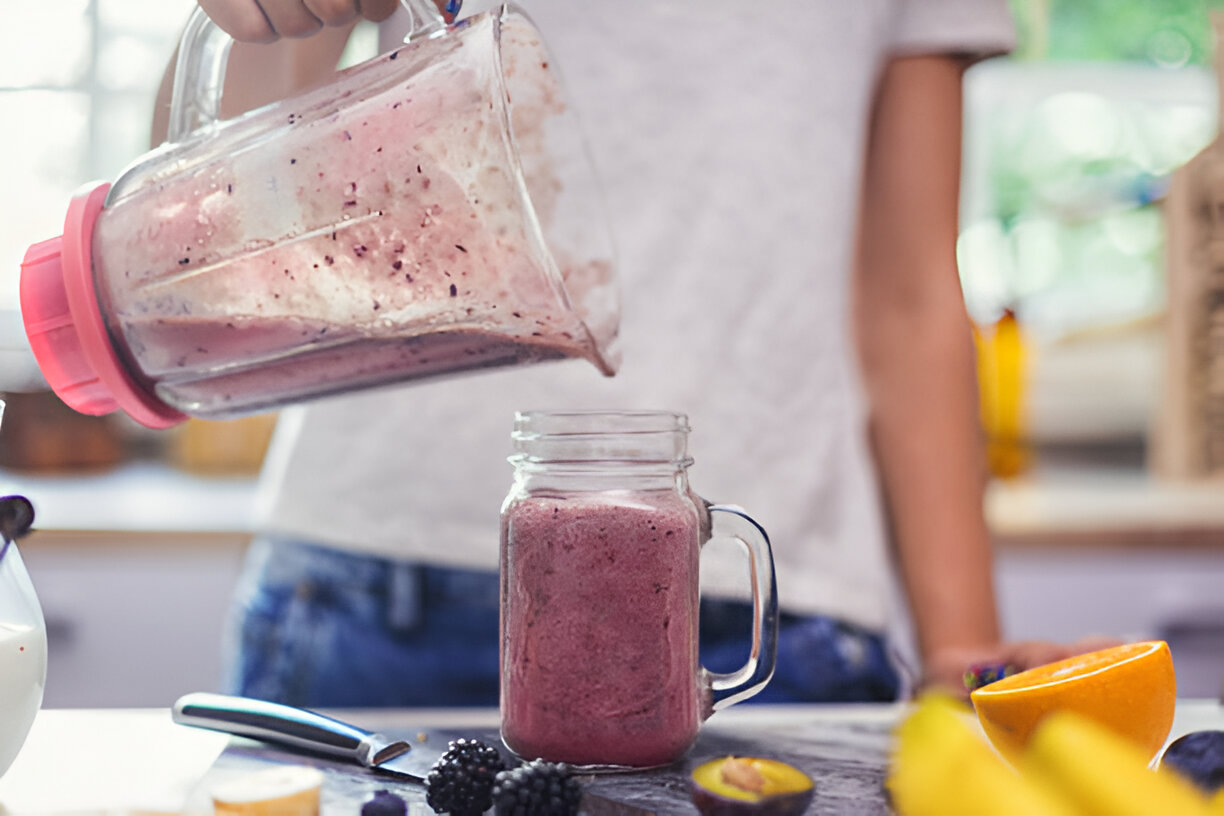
point(590, 436)
point(598, 421)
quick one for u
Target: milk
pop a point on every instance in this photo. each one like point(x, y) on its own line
point(23, 655)
point(23, 669)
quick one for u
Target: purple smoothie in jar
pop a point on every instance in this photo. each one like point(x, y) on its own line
point(600, 612)
point(601, 543)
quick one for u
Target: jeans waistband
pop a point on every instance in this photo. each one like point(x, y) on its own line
point(290, 561)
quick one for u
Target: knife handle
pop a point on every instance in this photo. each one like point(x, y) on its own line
point(284, 724)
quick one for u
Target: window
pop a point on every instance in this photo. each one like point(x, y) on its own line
point(1068, 149)
point(77, 85)
point(1070, 143)
point(77, 81)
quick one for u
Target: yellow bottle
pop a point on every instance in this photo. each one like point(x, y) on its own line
point(1002, 369)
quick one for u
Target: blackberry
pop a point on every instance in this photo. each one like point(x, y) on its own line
point(384, 803)
point(537, 788)
point(461, 781)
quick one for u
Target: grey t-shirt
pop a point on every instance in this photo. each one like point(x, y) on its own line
point(729, 138)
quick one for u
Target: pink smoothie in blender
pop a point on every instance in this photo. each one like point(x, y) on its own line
point(417, 217)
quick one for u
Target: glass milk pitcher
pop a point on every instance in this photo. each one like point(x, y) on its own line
point(600, 547)
point(23, 633)
point(430, 211)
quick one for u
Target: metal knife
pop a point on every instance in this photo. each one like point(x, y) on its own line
point(305, 730)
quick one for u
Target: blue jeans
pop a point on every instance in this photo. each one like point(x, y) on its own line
point(322, 628)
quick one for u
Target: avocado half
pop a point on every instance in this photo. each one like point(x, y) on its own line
point(750, 786)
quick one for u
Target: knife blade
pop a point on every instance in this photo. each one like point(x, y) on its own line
point(305, 730)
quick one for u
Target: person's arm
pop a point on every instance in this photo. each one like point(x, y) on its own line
point(916, 351)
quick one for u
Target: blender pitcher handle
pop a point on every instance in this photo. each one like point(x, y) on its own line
point(199, 76)
point(199, 72)
point(727, 689)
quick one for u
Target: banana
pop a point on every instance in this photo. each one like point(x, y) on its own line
point(942, 767)
point(1104, 774)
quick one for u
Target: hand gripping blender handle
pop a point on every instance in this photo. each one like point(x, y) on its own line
point(199, 73)
point(728, 689)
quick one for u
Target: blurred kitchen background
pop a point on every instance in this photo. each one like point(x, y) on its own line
point(1086, 255)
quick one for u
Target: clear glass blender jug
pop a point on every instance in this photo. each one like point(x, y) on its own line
point(429, 212)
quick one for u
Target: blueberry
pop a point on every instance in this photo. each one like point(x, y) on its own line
point(384, 803)
point(1199, 757)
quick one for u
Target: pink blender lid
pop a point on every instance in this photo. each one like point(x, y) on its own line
point(66, 330)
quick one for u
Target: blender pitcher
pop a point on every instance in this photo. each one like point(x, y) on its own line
point(430, 211)
point(23, 633)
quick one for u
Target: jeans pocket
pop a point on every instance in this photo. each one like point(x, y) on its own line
point(279, 629)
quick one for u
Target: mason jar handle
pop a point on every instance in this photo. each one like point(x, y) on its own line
point(728, 521)
point(199, 72)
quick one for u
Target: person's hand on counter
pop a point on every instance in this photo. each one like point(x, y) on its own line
point(946, 669)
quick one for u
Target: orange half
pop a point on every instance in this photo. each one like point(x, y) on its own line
point(1130, 689)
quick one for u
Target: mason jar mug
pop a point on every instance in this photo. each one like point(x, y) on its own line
point(600, 550)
